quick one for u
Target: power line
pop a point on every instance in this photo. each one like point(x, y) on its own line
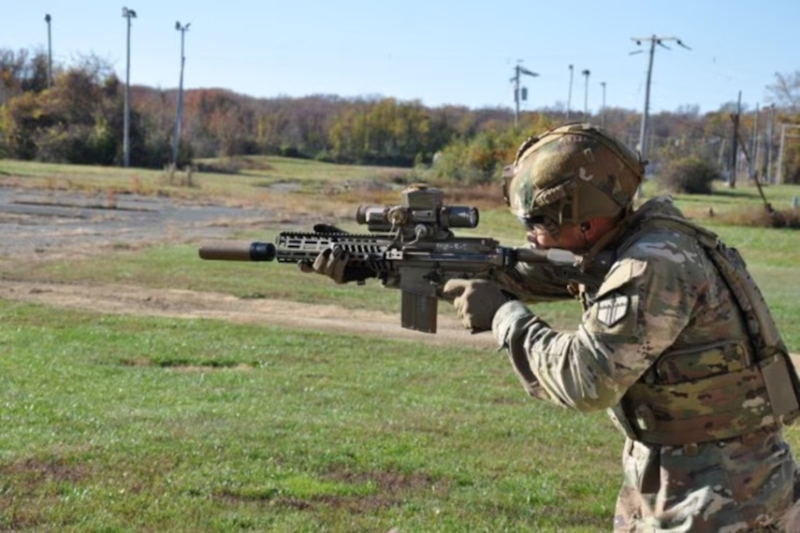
point(523, 94)
point(653, 40)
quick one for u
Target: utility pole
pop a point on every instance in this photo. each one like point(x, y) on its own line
point(179, 118)
point(654, 40)
point(47, 19)
point(569, 94)
point(784, 127)
point(126, 139)
point(586, 73)
point(735, 145)
point(603, 112)
point(753, 166)
point(520, 93)
point(779, 173)
point(769, 175)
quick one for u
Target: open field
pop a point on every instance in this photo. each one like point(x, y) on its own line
point(142, 389)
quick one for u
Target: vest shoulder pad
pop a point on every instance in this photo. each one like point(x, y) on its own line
point(623, 272)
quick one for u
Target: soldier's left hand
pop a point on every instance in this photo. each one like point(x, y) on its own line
point(476, 301)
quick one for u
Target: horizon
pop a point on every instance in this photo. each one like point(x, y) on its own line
point(372, 97)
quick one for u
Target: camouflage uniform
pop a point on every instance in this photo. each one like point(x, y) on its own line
point(663, 314)
point(675, 341)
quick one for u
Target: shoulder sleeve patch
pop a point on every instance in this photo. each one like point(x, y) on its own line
point(613, 309)
point(624, 272)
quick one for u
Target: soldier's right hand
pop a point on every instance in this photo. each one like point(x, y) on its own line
point(334, 263)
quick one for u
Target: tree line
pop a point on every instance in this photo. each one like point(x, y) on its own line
point(79, 119)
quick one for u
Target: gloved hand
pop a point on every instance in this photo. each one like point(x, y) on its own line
point(476, 301)
point(333, 262)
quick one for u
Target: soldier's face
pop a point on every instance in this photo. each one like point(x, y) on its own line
point(570, 236)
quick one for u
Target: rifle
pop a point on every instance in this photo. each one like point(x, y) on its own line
point(412, 246)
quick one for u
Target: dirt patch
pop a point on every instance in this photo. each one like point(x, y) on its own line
point(391, 482)
point(53, 222)
point(391, 489)
point(29, 483)
point(174, 303)
point(180, 367)
point(37, 471)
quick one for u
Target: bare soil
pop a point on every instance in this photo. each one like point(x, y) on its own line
point(57, 224)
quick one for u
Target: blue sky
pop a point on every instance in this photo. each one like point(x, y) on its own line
point(439, 52)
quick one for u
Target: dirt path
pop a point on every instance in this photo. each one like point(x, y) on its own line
point(141, 301)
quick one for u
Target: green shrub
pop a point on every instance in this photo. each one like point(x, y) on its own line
point(689, 175)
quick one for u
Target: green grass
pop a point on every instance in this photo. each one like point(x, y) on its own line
point(251, 185)
point(140, 424)
point(744, 196)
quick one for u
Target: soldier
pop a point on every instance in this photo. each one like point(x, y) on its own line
point(676, 341)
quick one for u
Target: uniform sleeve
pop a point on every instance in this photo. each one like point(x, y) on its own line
point(639, 311)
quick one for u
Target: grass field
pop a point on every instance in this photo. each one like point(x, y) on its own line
point(257, 179)
point(125, 423)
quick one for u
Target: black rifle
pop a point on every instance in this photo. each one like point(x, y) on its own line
point(412, 247)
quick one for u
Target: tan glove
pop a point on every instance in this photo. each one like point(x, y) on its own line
point(333, 262)
point(476, 301)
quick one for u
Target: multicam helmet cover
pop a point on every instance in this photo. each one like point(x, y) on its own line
point(570, 175)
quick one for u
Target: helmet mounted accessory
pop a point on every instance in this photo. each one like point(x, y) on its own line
point(570, 175)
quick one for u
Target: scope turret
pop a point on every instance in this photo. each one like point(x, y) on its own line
point(421, 205)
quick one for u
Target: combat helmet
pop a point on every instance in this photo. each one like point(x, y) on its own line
point(571, 174)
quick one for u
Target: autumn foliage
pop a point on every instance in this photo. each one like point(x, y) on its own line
point(79, 119)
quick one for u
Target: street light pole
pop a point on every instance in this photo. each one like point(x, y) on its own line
point(603, 113)
point(569, 94)
point(126, 140)
point(586, 73)
point(654, 40)
point(179, 118)
point(47, 19)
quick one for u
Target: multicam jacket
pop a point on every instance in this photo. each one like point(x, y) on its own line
point(663, 315)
